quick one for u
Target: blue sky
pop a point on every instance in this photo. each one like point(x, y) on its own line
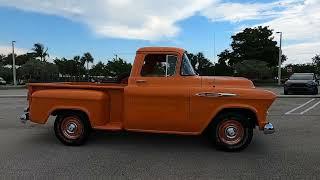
point(108, 27)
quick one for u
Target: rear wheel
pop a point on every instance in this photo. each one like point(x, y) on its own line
point(72, 128)
point(231, 132)
point(285, 92)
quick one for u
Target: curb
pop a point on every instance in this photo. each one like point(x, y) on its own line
point(12, 87)
point(13, 96)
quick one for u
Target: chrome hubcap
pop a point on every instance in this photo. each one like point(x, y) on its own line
point(71, 128)
point(231, 132)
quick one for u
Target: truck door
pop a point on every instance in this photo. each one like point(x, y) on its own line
point(155, 100)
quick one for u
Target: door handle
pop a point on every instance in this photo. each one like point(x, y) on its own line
point(141, 81)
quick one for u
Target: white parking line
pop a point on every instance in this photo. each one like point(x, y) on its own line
point(294, 109)
point(316, 104)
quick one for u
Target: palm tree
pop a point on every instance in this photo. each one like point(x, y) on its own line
point(40, 51)
point(77, 63)
point(87, 58)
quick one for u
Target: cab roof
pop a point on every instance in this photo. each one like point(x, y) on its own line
point(164, 49)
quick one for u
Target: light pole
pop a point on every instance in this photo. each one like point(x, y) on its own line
point(280, 56)
point(14, 65)
point(214, 52)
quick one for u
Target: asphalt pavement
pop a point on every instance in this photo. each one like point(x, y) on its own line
point(13, 92)
point(32, 151)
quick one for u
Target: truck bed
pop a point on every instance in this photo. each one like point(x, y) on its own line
point(79, 85)
point(106, 111)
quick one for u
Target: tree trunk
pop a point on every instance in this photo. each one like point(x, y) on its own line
point(88, 71)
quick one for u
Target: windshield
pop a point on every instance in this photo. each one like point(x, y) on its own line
point(301, 77)
point(186, 67)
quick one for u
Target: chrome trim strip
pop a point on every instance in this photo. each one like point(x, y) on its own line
point(212, 94)
point(226, 94)
point(207, 94)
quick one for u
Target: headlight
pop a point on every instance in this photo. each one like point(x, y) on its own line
point(311, 83)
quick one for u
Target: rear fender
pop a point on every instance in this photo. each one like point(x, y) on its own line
point(46, 102)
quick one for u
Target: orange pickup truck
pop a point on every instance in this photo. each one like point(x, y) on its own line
point(163, 94)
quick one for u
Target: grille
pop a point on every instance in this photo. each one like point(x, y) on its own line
point(298, 85)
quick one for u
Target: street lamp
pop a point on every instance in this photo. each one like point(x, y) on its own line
point(14, 65)
point(279, 63)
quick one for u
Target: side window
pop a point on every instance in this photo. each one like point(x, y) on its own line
point(159, 65)
point(186, 67)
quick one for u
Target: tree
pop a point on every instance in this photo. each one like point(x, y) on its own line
point(36, 70)
point(2, 59)
point(70, 68)
point(201, 64)
point(222, 69)
point(79, 66)
point(6, 73)
point(316, 62)
point(40, 51)
point(62, 66)
point(87, 58)
point(252, 44)
point(253, 69)
point(98, 70)
point(23, 58)
point(19, 59)
point(7, 60)
point(117, 67)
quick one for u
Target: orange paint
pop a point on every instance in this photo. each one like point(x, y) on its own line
point(169, 104)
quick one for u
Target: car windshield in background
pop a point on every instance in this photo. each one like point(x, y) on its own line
point(301, 77)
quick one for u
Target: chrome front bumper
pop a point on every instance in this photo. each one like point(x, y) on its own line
point(268, 129)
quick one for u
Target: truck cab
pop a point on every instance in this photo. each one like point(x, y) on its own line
point(163, 95)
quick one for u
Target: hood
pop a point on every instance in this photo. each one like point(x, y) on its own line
point(225, 81)
point(298, 81)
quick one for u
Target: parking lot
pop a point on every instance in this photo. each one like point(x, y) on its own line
point(29, 150)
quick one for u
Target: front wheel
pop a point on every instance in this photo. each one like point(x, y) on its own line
point(315, 91)
point(231, 132)
point(71, 128)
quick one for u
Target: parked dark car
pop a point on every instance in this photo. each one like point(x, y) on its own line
point(302, 83)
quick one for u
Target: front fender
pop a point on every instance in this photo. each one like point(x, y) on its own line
point(231, 106)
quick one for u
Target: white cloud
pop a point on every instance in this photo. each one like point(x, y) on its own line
point(300, 23)
point(132, 19)
point(237, 12)
point(302, 52)
point(7, 49)
point(299, 20)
